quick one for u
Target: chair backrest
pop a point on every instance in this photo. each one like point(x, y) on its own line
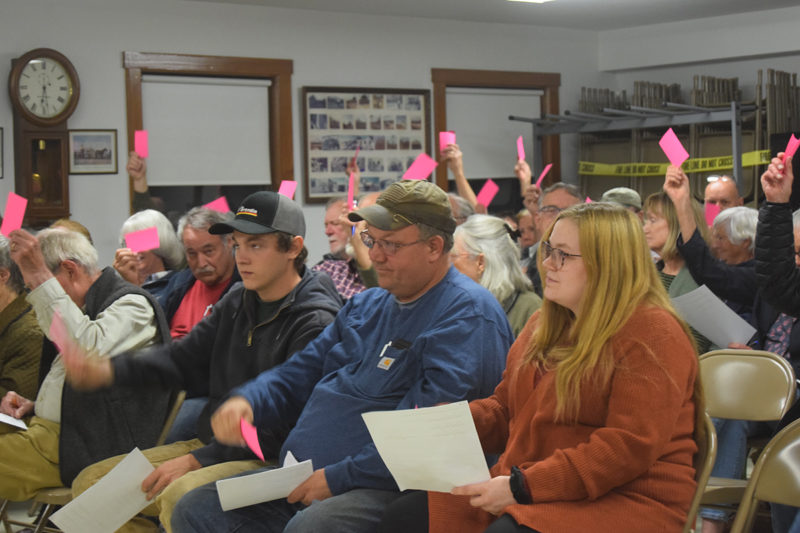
point(774, 477)
point(703, 464)
point(173, 414)
point(747, 384)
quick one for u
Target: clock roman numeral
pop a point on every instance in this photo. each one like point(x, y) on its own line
point(44, 65)
point(62, 88)
point(26, 97)
point(25, 75)
point(23, 87)
point(33, 107)
point(60, 77)
point(60, 99)
point(33, 67)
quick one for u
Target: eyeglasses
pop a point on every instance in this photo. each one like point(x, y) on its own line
point(558, 256)
point(387, 247)
point(550, 209)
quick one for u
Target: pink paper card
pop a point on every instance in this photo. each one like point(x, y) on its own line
point(711, 211)
point(520, 148)
point(220, 204)
point(673, 148)
point(15, 213)
point(791, 148)
point(287, 188)
point(445, 138)
point(140, 143)
point(58, 332)
point(488, 192)
point(421, 168)
point(588, 200)
point(142, 240)
point(351, 185)
point(358, 149)
point(251, 437)
point(543, 174)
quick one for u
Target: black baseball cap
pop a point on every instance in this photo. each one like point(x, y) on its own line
point(265, 212)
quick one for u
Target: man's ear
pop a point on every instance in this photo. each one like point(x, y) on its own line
point(297, 246)
point(5, 274)
point(70, 267)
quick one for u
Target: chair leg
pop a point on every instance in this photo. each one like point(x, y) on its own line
point(3, 515)
point(41, 526)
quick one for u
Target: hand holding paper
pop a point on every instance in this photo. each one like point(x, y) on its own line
point(421, 168)
point(777, 180)
point(142, 240)
point(14, 213)
point(250, 436)
point(226, 421)
point(673, 148)
point(140, 143)
point(15, 406)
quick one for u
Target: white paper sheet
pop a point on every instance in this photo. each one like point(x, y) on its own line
point(265, 486)
point(110, 502)
point(433, 448)
point(11, 421)
point(712, 318)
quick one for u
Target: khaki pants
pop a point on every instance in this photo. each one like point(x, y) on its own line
point(29, 459)
point(165, 502)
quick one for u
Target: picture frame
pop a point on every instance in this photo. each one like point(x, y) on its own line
point(93, 151)
point(388, 127)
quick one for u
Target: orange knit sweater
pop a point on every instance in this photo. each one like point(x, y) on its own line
point(625, 466)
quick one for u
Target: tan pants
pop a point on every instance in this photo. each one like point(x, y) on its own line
point(29, 459)
point(165, 502)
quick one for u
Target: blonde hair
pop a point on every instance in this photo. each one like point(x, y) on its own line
point(662, 205)
point(620, 277)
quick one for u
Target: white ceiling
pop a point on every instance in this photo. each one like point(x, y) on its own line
point(576, 14)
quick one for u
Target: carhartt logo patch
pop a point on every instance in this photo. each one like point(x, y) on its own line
point(385, 363)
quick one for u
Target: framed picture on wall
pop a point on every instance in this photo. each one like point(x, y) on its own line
point(92, 151)
point(388, 128)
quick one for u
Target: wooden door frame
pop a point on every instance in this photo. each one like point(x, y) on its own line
point(498, 79)
point(278, 71)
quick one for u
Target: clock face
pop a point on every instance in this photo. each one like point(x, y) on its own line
point(45, 87)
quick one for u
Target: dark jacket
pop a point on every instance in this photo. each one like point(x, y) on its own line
point(736, 284)
point(777, 275)
point(178, 284)
point(228, 348)
point(101, 424)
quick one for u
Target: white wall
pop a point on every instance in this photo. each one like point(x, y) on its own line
point(327, 49)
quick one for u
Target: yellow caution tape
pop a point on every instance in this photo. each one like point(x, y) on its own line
point(704, 164)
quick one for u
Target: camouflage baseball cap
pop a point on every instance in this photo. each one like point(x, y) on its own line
point(409, 202)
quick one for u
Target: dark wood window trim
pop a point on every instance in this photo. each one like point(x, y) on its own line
point(498, 79)
point(278, 71)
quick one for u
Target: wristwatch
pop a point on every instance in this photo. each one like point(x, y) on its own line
point(519, 486)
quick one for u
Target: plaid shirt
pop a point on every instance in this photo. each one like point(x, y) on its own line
point(344, 275)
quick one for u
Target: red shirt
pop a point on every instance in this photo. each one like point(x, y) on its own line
point(196, 304)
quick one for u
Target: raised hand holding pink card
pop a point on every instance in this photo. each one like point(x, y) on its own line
point(14, 213)
point(673, 148)
point(487, 193)
point(140, 143)
point(791, 148)
point(446, 138)
point(543, 174)
point(520, 148)
point(421, 168)
point(142, 240)
point(287, 188)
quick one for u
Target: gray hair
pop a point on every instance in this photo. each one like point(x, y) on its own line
point(463, 207)
point(170, 249)
point(739, 224)
point(15, 281)
point(488, 235)
point(571, 189)
point(61, 244)
point(335, 200)
point(202, 218)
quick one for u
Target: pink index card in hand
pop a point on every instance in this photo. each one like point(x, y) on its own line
point(251, 437)
point(220, 204)
point(488, 192)
point(446, 138)
point(791, 148)
point(287, 188)
point(711, 211)
point(543, 174)
point(140, 143)
point(520, 148)
point(358, 149)
point(421, 168)
point(142, 240)
point(14, 214)
point(673, 148)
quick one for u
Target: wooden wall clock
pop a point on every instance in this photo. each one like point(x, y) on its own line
point(44, 90)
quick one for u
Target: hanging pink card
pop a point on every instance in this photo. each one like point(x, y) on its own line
point(14, 214)
point(791, 148)
point(520, 148)
point(543, 174)
point(421, 168)
point(140, 143)
point(446, 138)
point(287, 188)
point(220, 204)
point(711, 211)
point(251, 437)
point(488, 192)
point(673, 148)
point(142, 240)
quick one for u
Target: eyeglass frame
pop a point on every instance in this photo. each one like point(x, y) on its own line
point(552, 252)
point(551, 209)
point(389, 248)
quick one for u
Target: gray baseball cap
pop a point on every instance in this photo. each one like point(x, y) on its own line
point(265, 212)
point(623, 196)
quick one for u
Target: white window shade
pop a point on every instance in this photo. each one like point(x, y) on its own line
point(483, 132)
point(206, 131)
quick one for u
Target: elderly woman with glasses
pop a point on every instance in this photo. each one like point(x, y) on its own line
point(484, 250)
point(20, 336)
point(595, 416)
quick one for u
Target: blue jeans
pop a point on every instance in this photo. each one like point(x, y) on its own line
point(356, 511)
point(185, 425)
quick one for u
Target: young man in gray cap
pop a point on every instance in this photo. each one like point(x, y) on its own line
point(277, 309)
point(429, 335)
